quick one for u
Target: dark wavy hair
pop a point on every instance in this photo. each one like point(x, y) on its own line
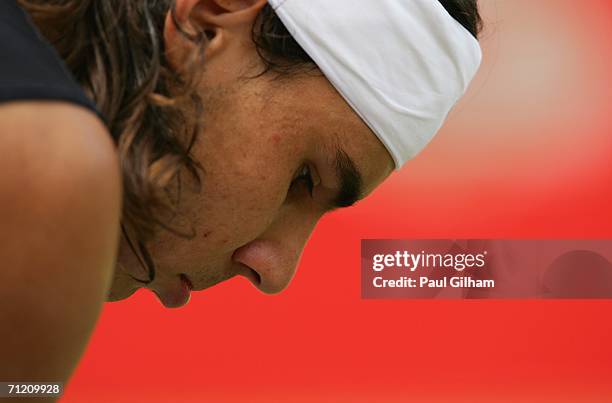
point(115, 50)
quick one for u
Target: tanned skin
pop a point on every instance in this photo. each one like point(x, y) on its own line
point(60, 199)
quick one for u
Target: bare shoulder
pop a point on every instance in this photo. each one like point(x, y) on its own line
point(60, 206)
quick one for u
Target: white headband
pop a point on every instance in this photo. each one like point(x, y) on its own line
point(400, 64)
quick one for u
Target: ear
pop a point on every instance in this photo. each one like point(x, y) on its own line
point(214, 22)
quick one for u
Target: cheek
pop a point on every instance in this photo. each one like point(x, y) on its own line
point(239, 200)
point(248, 162)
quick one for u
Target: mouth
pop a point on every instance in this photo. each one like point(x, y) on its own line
point(177, 294)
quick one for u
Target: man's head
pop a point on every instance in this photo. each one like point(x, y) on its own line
point(276, 154)
point(278, 150)
point(238, 121)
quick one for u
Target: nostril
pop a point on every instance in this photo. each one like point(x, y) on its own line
point(256, 277)
point(268, 264)
point(250, 274)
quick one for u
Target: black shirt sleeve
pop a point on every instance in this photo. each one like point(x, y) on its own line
point(30, 68)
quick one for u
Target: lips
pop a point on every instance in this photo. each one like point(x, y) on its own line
point(176, 294)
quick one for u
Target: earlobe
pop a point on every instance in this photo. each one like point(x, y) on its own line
point(211, 12)
point(179, 21)
point(226, 13)
point(179, 33)
point(190, 22)
point(234, 5)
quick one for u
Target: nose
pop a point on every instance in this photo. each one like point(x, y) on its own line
point(269, 264)
point(269, 261)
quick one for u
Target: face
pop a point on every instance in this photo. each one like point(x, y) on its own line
point(276, 156)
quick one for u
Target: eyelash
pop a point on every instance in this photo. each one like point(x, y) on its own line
point(305, 177)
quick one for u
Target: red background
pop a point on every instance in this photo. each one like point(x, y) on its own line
point(525, 155)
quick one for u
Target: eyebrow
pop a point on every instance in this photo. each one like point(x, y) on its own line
point(349, 178)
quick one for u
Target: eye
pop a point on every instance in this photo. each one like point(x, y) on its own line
point(304, 178)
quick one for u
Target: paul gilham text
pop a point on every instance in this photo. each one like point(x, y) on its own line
point(425, 282)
